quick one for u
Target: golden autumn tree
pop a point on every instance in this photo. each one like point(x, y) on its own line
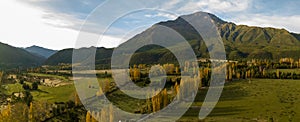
point(177, 70)
point(31, 114)
point(93, 117)
point(165, 97)
point(148, 102)
point(5, 114)
point(264, 72)
point(277, 73)
point(238, 75)
point(176, 90)
point(103, 116)
point(107, 85)
point(88, 117)
point(136, 74)
point(153, 104)
point(76, 99)
point(111, 113)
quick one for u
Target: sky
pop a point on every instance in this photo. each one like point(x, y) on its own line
point(55, 24)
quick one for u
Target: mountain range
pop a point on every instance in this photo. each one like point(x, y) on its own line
point(40, 51)
point(241, 42)
point(12, 57)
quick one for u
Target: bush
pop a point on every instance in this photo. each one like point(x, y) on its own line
point(34, 86)
point(26, 86)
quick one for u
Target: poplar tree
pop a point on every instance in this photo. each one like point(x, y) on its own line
point(177, 70)
point(277, 73)
point(111, 113)
point(31, 119)
point(165, 97)
point(88, 117)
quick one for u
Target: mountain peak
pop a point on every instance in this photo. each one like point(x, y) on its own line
point(40, 51)
point(218, 21)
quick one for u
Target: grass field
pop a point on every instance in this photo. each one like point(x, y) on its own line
point(260, 100)
point(11, 88)
point(50, 76)
point(54, 94)
point(45, 93)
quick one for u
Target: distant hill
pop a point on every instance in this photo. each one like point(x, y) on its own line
point(65, 56)
point(241, 42)
point(40, 51)
point(12, 57)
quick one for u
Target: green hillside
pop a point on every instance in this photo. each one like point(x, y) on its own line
point(12, 57)
point(65, 56)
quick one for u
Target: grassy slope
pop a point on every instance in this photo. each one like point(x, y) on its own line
point(261, 99)
point(56, 94)
point(44, 93)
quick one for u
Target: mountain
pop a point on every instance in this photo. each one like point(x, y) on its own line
point(65, 56)
point(12, 57)
point(40, 51)
point(240, 42)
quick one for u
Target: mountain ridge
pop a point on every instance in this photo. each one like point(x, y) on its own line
point(13, 57)
point(241, 42)
point(40, 51)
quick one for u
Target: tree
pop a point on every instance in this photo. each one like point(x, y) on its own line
point(88, 117)
point(1, 75)
point(230, 71)
point(165, 97)
point(5, 114)
point(31, 119)
point(111, 113)
point(26, 86)
point(21, 82)
point(27, 97)
point(177, 70)
point(277, 73)
point(76, 99)
point(264, 72)
point(34, 86)
point(148, 105)
point(136, 74)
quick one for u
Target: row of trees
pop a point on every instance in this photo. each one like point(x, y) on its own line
point(105, 86)
point(20, 112)
point(105, 115)
point(258, 69)
point(157, 102)
point(24, 110)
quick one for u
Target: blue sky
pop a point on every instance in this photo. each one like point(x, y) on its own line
point(55, 24)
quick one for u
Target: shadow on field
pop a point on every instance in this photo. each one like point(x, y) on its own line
point(41, 91)
point(225, 111)
point(230, 93)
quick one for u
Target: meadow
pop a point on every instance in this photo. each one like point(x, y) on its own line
point(258, 100)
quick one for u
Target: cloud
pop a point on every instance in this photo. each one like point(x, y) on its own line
point(216, 6)
point(290, 23)
point(161, 14)
point(170, 4)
